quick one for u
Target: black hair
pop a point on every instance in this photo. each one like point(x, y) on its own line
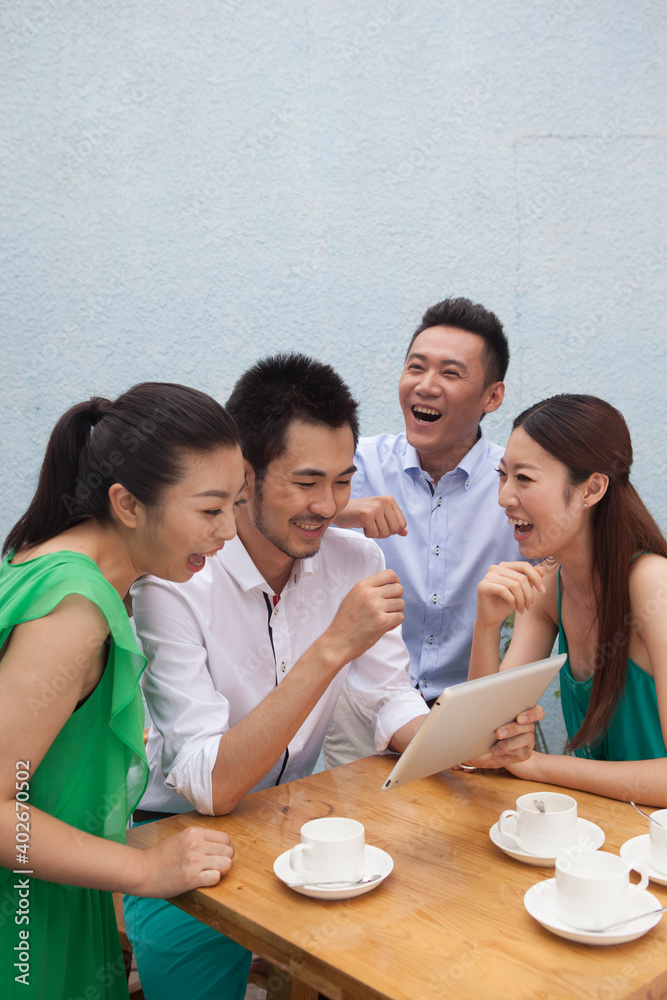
point(279, 390)
point(474, 318)
point(139, 441)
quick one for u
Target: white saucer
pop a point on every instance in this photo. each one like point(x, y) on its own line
point(540, 901)
point(636, 852)
point(587, 835)
point(376, 862)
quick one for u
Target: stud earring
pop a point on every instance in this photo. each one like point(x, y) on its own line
point(585, 505)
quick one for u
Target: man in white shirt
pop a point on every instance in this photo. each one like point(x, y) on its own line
point(246, 660)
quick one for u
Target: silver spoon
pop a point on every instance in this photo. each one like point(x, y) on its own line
point(539, 805)
point(341, 882)
point(628, 920)
point(641, 811)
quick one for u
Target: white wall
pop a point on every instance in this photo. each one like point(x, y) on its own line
point(190, 185)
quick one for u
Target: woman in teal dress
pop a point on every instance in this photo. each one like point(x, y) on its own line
point(148, 484)
point(600, 586)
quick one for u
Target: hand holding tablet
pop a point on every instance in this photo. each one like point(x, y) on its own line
point(463, 722)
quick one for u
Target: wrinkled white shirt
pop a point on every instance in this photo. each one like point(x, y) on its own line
point(216, 647)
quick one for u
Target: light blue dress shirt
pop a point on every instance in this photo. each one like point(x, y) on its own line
point(456, 530)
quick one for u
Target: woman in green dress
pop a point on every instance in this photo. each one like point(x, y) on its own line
point(148, 484)
point(600, 586)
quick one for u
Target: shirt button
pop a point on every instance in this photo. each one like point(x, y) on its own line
point(435, 598)
point(275, 611)
point(467, 482)
point(437, 550)
point(440, 502)
point(282, 666)
point(431, 639)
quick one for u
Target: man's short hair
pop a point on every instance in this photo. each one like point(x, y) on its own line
point(474, 318)
point(281, 389)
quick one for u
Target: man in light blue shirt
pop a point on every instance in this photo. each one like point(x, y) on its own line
point(429, 496)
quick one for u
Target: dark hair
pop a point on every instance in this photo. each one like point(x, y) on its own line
point(474, 318)
point(279, 390)
point(589, 435)
point(138, 441)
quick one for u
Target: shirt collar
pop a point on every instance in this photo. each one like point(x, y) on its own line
point(470, 464)
point(240, 567)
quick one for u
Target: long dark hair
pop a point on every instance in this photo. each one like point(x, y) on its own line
point(589, 435)
point(139, 441)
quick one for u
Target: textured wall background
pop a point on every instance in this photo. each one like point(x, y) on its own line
point(189, 185)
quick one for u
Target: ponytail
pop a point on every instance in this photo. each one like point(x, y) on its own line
point(138, 441)
point(51, 510)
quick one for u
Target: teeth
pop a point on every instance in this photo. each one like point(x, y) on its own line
point(308, 527)
point(426, 413)
point(515, 521)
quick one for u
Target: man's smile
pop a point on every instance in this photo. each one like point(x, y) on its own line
point(426, 414)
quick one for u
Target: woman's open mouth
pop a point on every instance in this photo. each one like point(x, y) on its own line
point(521, 528)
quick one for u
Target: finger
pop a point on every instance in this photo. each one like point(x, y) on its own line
point(533, 714)
point(395, 519)
point(513, 744)
point(515, 757)
point(391, 590)
point(210, 876)
point(511, 729)
point(382, 578)
point(533, 574)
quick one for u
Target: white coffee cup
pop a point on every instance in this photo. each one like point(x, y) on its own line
point(594, 890)
point(543, 834)
point(657, 832)
point(331, 850)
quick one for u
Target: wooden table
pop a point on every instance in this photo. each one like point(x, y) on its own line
point(448, 922)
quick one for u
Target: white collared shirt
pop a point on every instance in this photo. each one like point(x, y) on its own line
point(217, 646)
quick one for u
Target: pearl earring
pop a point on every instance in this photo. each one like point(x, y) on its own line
point(585, 505)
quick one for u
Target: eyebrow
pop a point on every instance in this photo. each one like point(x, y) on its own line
point(220, 494)
point(319, 473)
point(443, 361)
point(521, 465)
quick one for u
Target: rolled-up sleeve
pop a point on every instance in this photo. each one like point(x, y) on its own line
point(188, 712)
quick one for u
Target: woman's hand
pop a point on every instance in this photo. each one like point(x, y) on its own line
point(507, 587)
point(192, 858)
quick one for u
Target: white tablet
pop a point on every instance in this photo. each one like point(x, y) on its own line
point(462, 723)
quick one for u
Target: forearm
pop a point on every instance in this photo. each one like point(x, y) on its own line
point(58, 852)
point(250, 748)
point(484, 656)
point(403, 736)
point(642, 781)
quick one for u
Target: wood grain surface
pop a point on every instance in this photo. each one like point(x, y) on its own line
point(448, 922)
